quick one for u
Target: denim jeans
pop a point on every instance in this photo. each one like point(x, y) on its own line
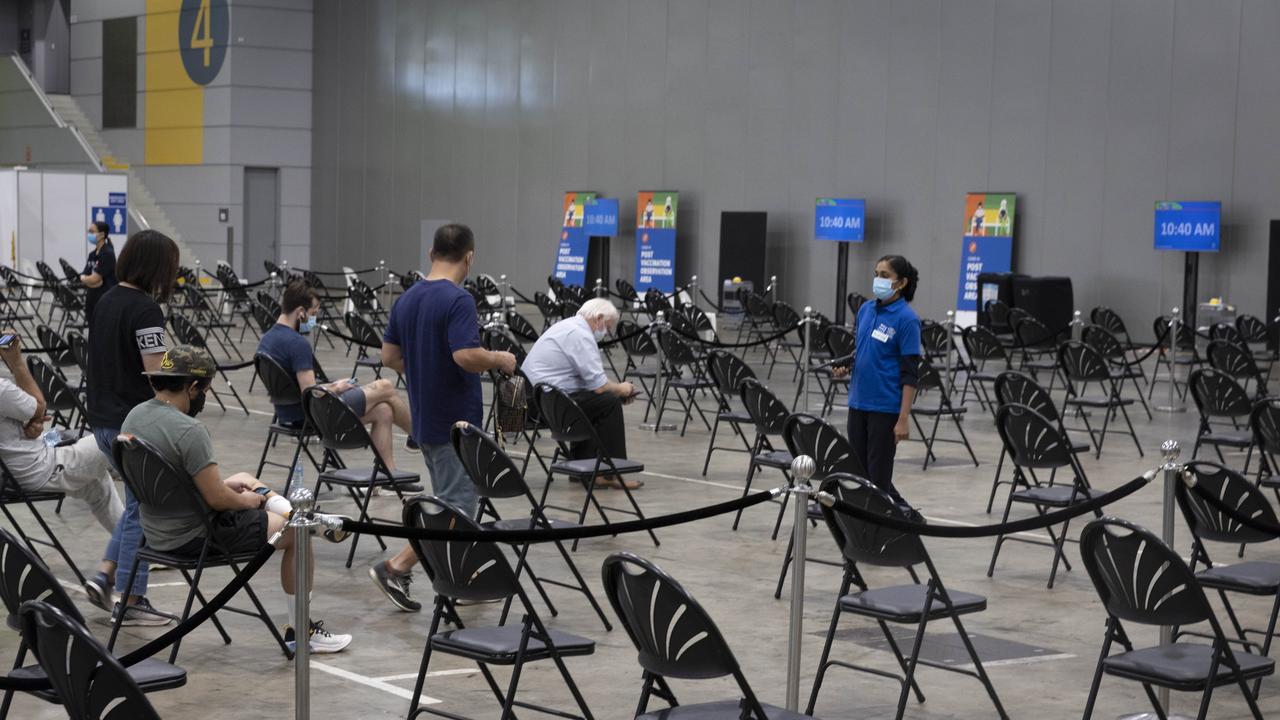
point(449, 479)
point(125, 539)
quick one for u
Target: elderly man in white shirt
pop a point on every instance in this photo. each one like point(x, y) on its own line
point(567, 357)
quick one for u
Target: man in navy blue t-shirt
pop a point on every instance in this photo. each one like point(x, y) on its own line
point(376, 403)
point(433, 340)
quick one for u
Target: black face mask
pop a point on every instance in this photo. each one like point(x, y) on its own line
point(196, 404)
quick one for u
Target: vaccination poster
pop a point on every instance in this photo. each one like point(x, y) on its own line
point(571, 255)
point(656, 240)
point(988, 246)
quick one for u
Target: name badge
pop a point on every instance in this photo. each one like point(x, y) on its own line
point(879, 335)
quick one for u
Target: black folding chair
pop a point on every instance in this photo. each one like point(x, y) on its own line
point(367, 340)
point(683, 374)
point(549, 308)
point(60, 401)
point(568, 424)
point(496, 477)
point(983, 348)
point(855, 301)
point(758, 322)
point(938, 345)
point(519, 326)
point(1036, 443)
point(1257, 578)
point(1122, 367)
point(629, 297)
point(1233, 358)
point(282, 389)
point(840, 341)
point(156, 483)
point(186, 333)
point(210, 320)
point(727, 372)
point(1264, 422)
point(58, 349)
point(785, 316)
point(1218, 397)
point(639, 345)
point(71, 307)
point(1081, 365)
point(999, 321)
point(1188, 355)
point(769, 416)
point(1255, 333)
point(929, 383)
point(1016, 387)
point(1111, 321)
point(912, 604)
point(1037, 346)
point(1140, 579)
point(79, 345)
point(675, 638)
point(479, 571)
point(11, 493)
point(24, 577)
point(341, 429)
point(805, 434)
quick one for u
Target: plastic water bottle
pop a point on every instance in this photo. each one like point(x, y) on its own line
point(51, 438)
point(297, 479)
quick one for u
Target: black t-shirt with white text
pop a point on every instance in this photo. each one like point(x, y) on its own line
point(126, 325)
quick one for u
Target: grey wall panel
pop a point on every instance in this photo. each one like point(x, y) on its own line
point(486, 112)
point(280, 28)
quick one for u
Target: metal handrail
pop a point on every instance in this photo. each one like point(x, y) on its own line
point(57, 119)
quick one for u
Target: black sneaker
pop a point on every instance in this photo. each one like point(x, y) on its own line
point(395, 587)
point(98, 587)
point(142, 613)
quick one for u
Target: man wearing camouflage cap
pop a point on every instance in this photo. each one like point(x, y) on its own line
point(242, 511)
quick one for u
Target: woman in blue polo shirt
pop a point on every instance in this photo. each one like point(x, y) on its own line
point(885, 369)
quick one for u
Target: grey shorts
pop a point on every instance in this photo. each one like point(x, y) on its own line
point(354, 399)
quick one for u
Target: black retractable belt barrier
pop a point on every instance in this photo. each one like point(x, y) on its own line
point(336, 272)
point(235, 366)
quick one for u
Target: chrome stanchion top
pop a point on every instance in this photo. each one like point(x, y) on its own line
point(802, 469)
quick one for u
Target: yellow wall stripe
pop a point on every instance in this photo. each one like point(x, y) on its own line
point(174, 105)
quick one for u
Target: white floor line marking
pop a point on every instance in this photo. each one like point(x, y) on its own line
point(1018, 661)
point(430, 674)
point(374, 683)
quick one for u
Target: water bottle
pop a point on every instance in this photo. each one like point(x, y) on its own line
point(51, 438)
point(297, 479)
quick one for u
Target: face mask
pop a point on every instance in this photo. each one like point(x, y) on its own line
point(307, 325)
point(882, 288)
point(196, 404)
point(92, 238)
point(599, 334)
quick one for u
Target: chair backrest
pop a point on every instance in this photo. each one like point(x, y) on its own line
point(50, 338)
point(282, 385)
point(1104, 341)
point(362, 331)
point(928, 378)
point(934, 340)
point(855, 301)
point(1081, 363)
point(767, 412)
point(79, 349)
point(697, 318)
point(1225, 331)
point(1251, 329)
point(1031, 332)
point(758, 308)
point(462, 569)
point(655, 302)
point(154, 481)
point(865, 542)
point(727, 371)
point(637, 344)
point(495, 339)
point(262, 316)
point(831, 452)
point(1232, 358)
point(997, 313)
point(673, 635)
point(89, 681)
point(1186, 336)
point(840, 341)
point(185, 331)
point(67, 299)
point(24, 576)
point(676, 350)
point(784, 315)
point(1264, 420)
point(821, 325)
point(492, 471)
point(1218, 395)
point(981, 344)
point(1033, 440)
point(47, 273)
point(626, 290)
point(58, 396)
point(569, 307)
point(1109, 319)
point(271, 304)
point(1232, 488)
point(338, 425)
point(1137, 576)
point(520, 326)
point(566, 421)
point(556, 285)
point(1017, 387)
point(73, 275)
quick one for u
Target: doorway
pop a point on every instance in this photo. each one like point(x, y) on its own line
point(261, 219)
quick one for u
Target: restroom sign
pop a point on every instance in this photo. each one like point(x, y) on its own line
point(116, 217)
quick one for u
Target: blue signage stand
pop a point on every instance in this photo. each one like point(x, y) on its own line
point(600, 225)
point(842, 221)
point(1192, 227)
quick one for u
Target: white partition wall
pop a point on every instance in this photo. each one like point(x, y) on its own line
point(8, 218)
point(45, 216)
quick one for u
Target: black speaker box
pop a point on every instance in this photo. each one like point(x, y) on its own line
point(742, 248)
point(1048, 299)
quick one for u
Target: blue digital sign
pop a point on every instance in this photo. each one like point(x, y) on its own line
point(1188, 226)
point(839, 219)
point(600, 217)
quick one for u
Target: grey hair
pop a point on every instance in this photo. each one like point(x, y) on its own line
point(598, 306)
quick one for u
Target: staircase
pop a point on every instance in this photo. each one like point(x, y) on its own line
point(144, 211)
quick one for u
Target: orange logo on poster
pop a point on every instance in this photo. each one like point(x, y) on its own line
point(645, 238)
point(973, 246)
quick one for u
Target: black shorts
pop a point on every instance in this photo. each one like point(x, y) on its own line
point(239, 531)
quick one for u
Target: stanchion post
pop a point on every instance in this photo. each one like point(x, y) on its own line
point(303, 524)
point(599, 289)
point(773, 288)
point(1172, 470)
point(656, 328)
point(1174, 405)
point(504, 287)
point(802, 468)
point(1077, 326)
point(693, 291)
point(806, 326)
point(950, 325)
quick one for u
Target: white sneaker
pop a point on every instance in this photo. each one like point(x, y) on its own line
point(322, 641)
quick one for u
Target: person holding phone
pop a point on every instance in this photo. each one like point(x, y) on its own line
point(567, 356)
point(99, 274)
point(885, 371)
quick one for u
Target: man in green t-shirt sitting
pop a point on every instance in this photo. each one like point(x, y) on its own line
point(242, 511)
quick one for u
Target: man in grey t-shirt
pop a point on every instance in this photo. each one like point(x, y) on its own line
point(78, 469)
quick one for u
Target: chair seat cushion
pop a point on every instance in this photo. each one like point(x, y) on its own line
point(1051, 495)
point(780, 459)
point(12, 494)
point(1096, 401)
point(291, 429)
point(718, 710)
point(587, 466)
point(368, 362)
point(738, 417)
point(1257, 577)
point(499, 644)
point(690, 383)
point(1230, 439)
point(937, 409)
point(360, 476)
point(526, 523)
point(1182, 665)
point(149, 674)
point(905, 603)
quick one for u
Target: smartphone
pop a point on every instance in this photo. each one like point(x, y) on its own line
point(7, 339)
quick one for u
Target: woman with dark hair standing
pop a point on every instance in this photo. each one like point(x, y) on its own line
point(99, 274)
point(126, 338)
point(885, 371)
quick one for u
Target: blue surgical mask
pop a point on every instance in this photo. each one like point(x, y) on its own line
point(882, 288)
point(307, 325)
point(93, 238)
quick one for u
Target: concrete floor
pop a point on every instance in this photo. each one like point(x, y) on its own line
point(732, 574)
